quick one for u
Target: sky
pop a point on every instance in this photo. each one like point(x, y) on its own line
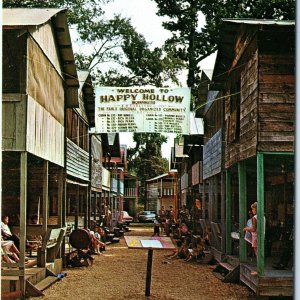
point(143, 17)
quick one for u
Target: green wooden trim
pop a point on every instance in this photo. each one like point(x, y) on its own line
point(260, 215)
point(276, 153)
point(228, 213)
point(242, 209)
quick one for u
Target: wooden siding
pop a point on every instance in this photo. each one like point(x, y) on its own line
point(45, 85)
point(276, 108)
point(14, 107)
point(44, 36)
point(44, 134)
point(196, 173)
point(77, 161)
point(212, 157)
point(248, 114)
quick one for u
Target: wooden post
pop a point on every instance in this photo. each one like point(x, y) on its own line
point(242, 209)
point(60, 198)
point(23, 208)
point(77, 207)
point(228, 213)
point(42, 263)
point(260, 215)
point(149, 271)
point(223, 211)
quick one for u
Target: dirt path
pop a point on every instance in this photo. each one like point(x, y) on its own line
point(121, 274)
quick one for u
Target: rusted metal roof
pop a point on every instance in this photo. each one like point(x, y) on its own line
point(28, 16)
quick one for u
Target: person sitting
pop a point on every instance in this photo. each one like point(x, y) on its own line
point(182, 250)
point(10, 252)
point(196, 249)
point(99, 234)
point(6, 232)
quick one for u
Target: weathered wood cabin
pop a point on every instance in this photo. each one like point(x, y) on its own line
point(131, 193)
point(39, 81)
point(162, 191)
point(255, 71)
point(78, 122)
point(110, 196)
point(211, 108)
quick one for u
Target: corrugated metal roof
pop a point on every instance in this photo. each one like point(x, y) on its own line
point(27, 16)
point(158, 177)
point(260, 21)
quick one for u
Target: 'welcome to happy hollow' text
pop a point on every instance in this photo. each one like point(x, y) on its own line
point(144, 97)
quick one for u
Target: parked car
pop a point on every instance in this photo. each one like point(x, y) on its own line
point(126, 218)
point(147, 216)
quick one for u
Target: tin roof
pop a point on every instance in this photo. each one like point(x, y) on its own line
point(260, 22)
point(28, 16)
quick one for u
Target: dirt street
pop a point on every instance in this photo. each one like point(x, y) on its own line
point(121, 274)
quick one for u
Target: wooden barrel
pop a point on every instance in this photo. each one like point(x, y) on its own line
point(80, 239)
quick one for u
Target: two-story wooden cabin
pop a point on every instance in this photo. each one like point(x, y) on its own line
point(255, 70)
point(78, 122)
point(39, 81)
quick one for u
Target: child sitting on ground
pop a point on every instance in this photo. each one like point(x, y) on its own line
point(196, 249)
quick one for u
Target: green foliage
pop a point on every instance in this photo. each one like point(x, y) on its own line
point(114, 41)
point(145, 160)
point(193, 44)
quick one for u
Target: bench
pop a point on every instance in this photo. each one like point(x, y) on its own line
point(51, 244)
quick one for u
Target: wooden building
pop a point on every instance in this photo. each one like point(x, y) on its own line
point(211, 109)
point(39, 81)
point(162, 191)
point(78, 122)
point(254, 71)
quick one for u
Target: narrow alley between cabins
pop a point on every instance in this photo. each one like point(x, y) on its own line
point(120, 273)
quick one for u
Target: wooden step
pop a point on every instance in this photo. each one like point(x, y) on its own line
point(45, 283)
point(227, 266)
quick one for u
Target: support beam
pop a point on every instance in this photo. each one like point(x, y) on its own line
point(260, 215)
point(228, 213)
point(242, 209)
point(23, 208)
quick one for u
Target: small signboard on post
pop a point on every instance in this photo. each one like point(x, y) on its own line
point(150, 243)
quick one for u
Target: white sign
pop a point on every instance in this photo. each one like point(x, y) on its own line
point(139, 109)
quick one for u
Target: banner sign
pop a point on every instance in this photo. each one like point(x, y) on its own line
point(139, 109)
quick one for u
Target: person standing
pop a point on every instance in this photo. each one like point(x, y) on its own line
point(156, 227)
point(253, 228)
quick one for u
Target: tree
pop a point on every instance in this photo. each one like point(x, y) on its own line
point(193, 44)
point(145, 159)
point(115, 42)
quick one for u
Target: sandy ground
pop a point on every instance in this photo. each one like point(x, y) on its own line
point(121, 274)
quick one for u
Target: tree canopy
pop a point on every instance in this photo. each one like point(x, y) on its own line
point(192, 44)
point(132, 63)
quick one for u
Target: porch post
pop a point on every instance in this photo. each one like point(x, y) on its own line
point(77, 206)
point(260, 215)
point(228, 212)
point(45, 208)
point(60, 220)
point(45, 196)
point(242, 209)
point(23, 208)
